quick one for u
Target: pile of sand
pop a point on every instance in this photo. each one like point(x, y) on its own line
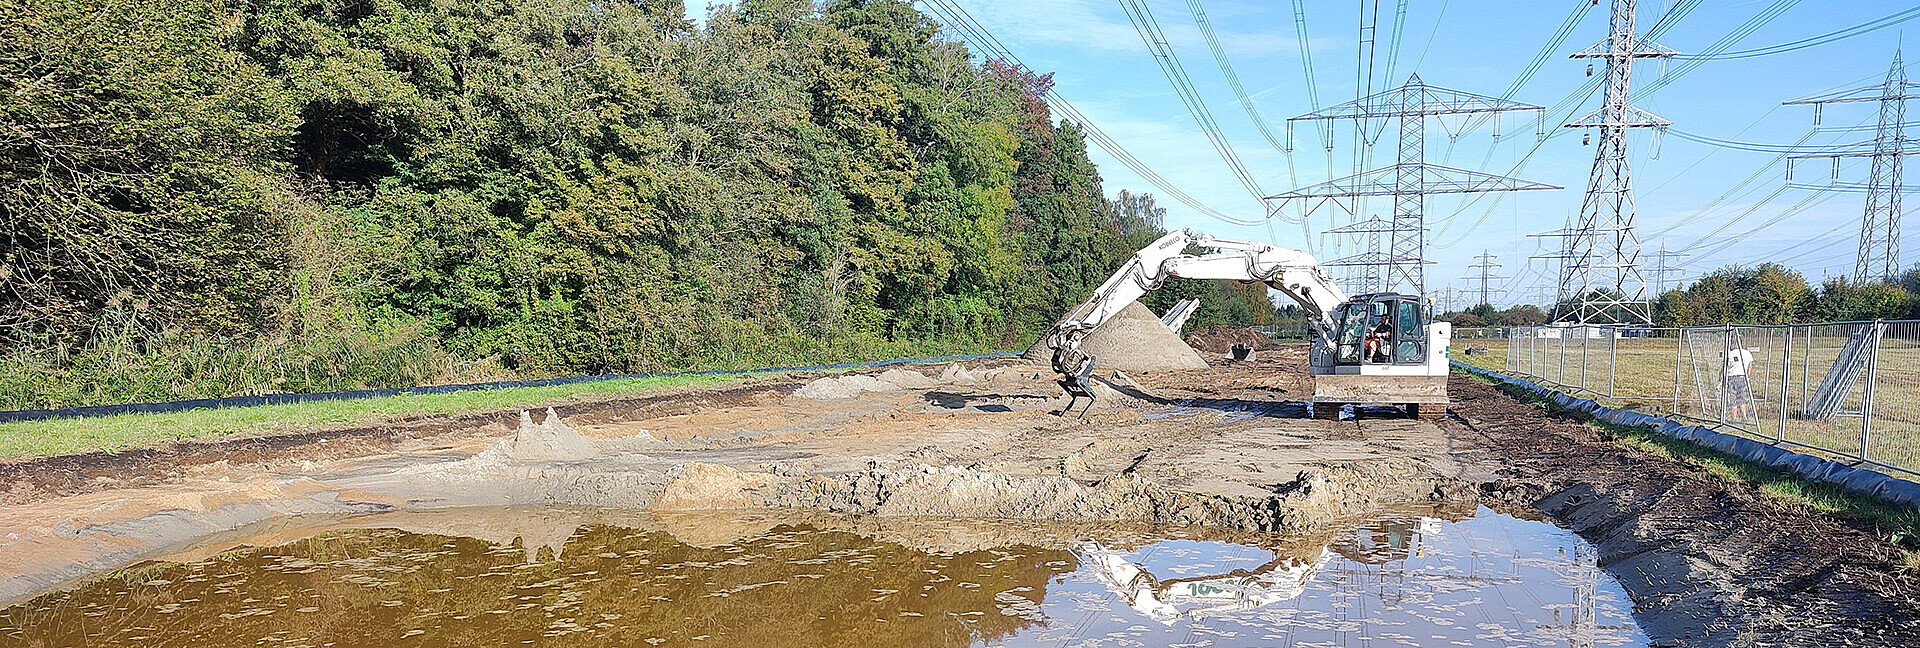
point(1134, 340)
point(835, 387)
point(958, 373)
point(551, 440)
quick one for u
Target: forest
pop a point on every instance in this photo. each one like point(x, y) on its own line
point(217, 197)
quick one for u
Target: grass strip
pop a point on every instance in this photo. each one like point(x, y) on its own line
point(1891, 523)
point(115, 433)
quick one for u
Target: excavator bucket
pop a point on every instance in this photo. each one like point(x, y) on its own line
point(1075, 377)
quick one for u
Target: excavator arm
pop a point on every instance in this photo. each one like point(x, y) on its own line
point(1294, 273)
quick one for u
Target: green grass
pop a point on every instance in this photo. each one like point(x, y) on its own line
point(1891, 523)
point(115, 433)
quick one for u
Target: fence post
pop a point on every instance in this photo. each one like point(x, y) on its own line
point(1613, 358)
point(1786, 374)
point(1562, 379)
point(1806, 364)
point(1679, 340)
point(1866, 392)
point(1726, 345)
point(1584, 332)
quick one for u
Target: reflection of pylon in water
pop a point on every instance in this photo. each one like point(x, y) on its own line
point(1580, 621)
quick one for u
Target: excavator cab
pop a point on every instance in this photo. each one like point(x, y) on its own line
point(1381, 329)
point(1386, 351)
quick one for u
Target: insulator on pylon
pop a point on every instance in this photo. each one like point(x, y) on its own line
point(1589, 69)
point(1586, 139)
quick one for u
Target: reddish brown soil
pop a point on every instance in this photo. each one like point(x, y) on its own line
point(1220, 339)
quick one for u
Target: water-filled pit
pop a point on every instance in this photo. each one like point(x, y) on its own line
point(559, 577)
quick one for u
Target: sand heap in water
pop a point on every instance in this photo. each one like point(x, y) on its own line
point(1134, 340)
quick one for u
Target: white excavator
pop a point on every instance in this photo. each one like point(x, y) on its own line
point(1377, 349)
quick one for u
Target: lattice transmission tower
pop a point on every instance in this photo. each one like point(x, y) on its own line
point(1403, 265)
point(1600, 278)
point(1663, 271)
point(1879, 256)
point(1485, 276)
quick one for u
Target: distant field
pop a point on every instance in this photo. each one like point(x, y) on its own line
point(1645, 380)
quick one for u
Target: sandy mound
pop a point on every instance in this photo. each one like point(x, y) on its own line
point(1134, 340)
point(1220, 339)
point(701, 485)
point(905, 379)
point(957, 373)
point(551, 440)
point(827, 388)
point(834, 387)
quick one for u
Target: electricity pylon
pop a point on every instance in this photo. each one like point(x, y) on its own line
point(1409, 180)
point(1600, 278)
point(1485, 276)
point(1879, 256)
point(1662, 270)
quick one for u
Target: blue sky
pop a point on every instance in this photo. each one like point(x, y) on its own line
point(1103, 68)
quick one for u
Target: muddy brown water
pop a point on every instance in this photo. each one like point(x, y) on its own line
point(561, 578)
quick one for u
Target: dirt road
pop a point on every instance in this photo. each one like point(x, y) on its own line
point(1229, 447)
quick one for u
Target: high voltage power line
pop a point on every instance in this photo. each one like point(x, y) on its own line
point(1829, 37)
point(1169, 62)
point(1253, 114)
point(1666, 22)
point(1720, 46)
point(1152, 35)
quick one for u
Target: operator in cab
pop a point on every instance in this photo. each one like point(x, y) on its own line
point(1379, 338)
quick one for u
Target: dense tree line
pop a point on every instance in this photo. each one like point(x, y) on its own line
point(1768, 293)
point(1774, 294)
point(218, 195)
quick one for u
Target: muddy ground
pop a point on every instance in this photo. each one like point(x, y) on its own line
point(1231, 447)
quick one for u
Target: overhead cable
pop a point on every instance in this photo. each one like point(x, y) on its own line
point(957, 18)
point(1176, 74)
point(1829, 37)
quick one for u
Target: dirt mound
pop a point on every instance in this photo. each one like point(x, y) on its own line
point(1220, 339)
point(837, 387)
point(551, 440)
point(1134, 340)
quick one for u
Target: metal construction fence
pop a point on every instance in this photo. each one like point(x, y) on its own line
point(1849, 390)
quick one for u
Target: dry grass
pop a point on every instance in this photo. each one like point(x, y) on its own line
point(1639, 374)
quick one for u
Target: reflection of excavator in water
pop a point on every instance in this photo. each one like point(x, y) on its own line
point(1282, 579)
point(1376, 349)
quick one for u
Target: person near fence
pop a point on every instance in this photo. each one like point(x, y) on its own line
point(1736, 391)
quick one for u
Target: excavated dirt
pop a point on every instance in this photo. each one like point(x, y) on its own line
point(1220, 339)
point(1709, 564)
point(1229, 448)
